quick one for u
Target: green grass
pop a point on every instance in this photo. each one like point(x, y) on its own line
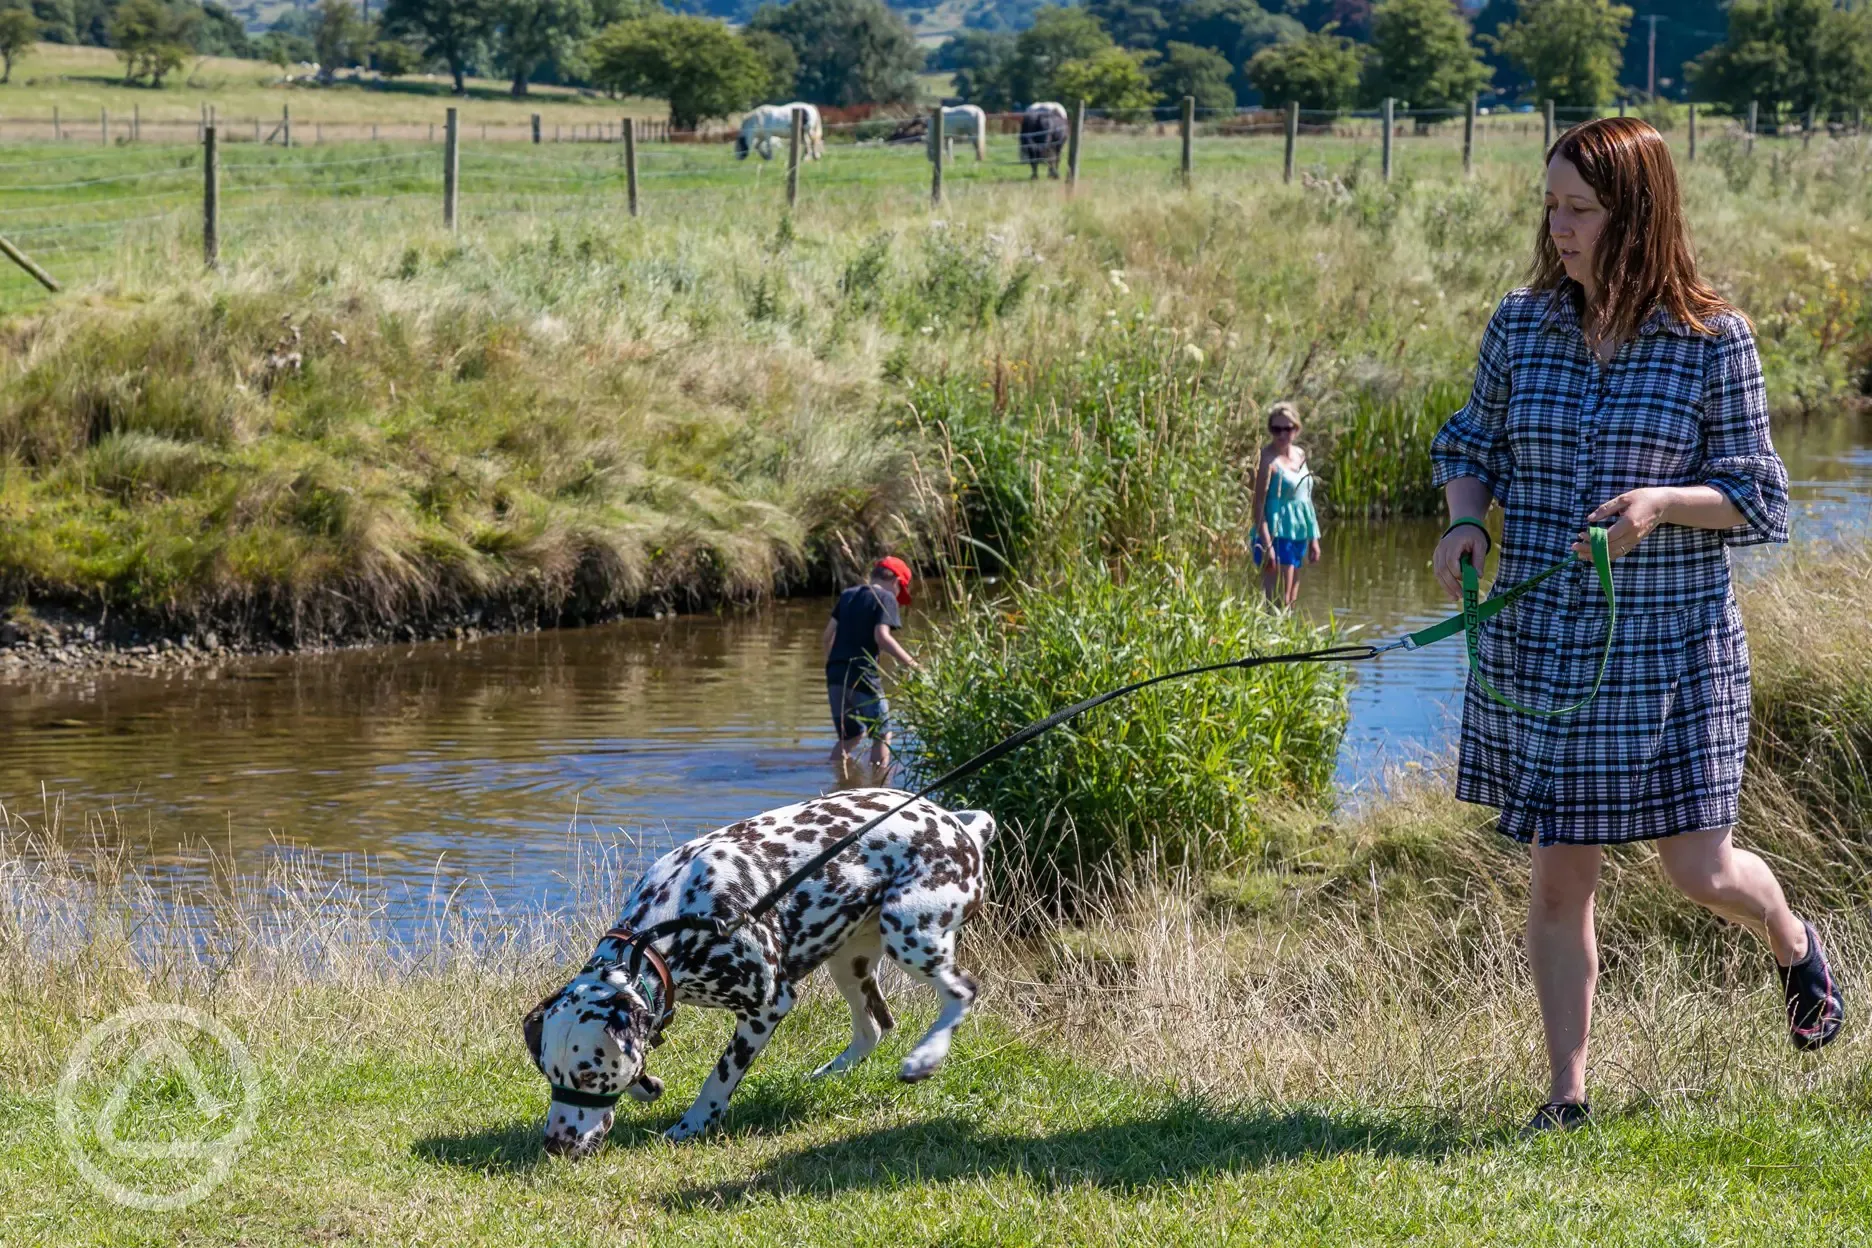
point(80, 81)
point(1013, 1143)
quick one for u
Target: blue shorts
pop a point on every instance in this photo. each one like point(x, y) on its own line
point(858, 705)
point(1289, 552)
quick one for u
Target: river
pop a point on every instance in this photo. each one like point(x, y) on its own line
point(482, 760)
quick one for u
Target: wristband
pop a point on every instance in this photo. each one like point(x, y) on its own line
point(1461, 521)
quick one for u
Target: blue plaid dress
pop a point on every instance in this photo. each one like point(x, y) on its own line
point(1553, 435)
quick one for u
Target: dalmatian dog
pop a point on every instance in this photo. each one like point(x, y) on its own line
point(903, 891)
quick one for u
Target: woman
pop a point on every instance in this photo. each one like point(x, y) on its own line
point(1619, 389)
point(1286, 528)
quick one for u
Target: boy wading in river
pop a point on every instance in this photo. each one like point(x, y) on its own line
point(862, 625)
point(1618, 388)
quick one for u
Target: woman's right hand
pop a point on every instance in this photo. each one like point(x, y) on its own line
point(1465, 539)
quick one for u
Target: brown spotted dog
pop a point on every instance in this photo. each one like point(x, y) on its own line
point(902, 891)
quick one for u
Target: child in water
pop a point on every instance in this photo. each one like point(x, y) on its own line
point(1286, 527)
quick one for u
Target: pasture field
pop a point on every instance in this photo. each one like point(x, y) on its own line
point(81, 81)
point(1330, 1043)
point(362, 424)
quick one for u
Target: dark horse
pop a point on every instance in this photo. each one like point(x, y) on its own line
point(1042, 135)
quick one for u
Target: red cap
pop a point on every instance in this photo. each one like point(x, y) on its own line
point(901, 570)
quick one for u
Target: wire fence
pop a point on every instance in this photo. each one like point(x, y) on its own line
point(79, 215)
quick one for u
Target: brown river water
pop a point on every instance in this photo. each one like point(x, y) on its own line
point(484, 760)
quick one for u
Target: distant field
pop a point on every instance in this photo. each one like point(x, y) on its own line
point(82, 81)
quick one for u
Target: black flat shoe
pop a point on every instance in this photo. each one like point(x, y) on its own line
point(1557, 1116)
point(1815, 1008)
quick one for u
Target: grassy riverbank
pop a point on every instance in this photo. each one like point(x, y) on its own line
point(1329, 1042)
point(363, 425)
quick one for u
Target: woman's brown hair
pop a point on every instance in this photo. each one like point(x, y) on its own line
point(1644, 259)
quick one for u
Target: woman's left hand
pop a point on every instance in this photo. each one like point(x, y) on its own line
point(1313, 551)
point(1638, 512)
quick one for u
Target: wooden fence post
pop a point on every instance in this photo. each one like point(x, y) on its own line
point(1621, 106)
point(1189, 130)
point(796, 131)
point(136, 123)
point(536, 127)
point(451, 168)
point(1750, 144)
point(211, 198)
point(256, 130)
point(1074, 138)
point(1293, 134)
point(936, 156)
point(58, 131)
point(1693, 131)
point(285, 125)
point(1390, 113)
point(24, 261)
point(630, 161)
point(1468, 137)
point(1546, 142)
point(1807, 127)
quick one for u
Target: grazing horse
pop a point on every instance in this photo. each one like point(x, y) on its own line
point(965, 121)
point(1042, 136)
point(761, 127)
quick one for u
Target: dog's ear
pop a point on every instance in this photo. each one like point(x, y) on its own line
point(532, 1025)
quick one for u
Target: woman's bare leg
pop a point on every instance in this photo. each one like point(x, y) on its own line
point(1707, 868)
point(1292, 573)
point(1564, 957)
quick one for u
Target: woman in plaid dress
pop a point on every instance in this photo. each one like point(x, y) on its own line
point(1619, 389)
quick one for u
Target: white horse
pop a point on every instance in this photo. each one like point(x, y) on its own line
point(761, 127)
point(964, 121)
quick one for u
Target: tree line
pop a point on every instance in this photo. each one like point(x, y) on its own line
point(1128, 56)
point(1122, 56)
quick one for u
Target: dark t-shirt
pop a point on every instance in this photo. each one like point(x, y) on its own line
point(859, 611)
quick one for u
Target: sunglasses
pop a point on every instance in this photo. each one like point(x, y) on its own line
point(1282, 428)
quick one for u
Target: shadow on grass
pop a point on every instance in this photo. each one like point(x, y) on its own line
point(515, 1148)
point(511, 1149)
point(1182, 1141)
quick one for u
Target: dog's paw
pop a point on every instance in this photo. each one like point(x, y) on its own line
point(916, 1070)
point(687, 1128)
point(646, 1089)
point(837, 1066)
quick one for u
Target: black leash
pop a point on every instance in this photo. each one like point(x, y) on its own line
point(725, 928)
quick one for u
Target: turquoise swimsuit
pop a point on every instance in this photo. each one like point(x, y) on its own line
point(1291, 520)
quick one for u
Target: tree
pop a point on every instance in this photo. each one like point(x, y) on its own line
point(394, 59)
point(1798, 53)
point(1421, 54)
point(782, 66)
point(1321, 71)
point(1057, 36)
point(18, 30)
point(979, 61)
point(700, 66)
point(1111, 80)
point(222, 33)
point(1186, 69)
point(850, 51)
point(453, 31)
point(340, 38)
point(1237, 29)
point(153, 38)
point(1570, 48)
point(531, 32)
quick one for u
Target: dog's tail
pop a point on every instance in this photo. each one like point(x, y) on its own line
point(980, 824)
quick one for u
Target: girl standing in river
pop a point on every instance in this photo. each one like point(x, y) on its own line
point(1618, 388)
point(1286, 526)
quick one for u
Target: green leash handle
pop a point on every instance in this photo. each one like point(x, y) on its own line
point(1475, 614)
